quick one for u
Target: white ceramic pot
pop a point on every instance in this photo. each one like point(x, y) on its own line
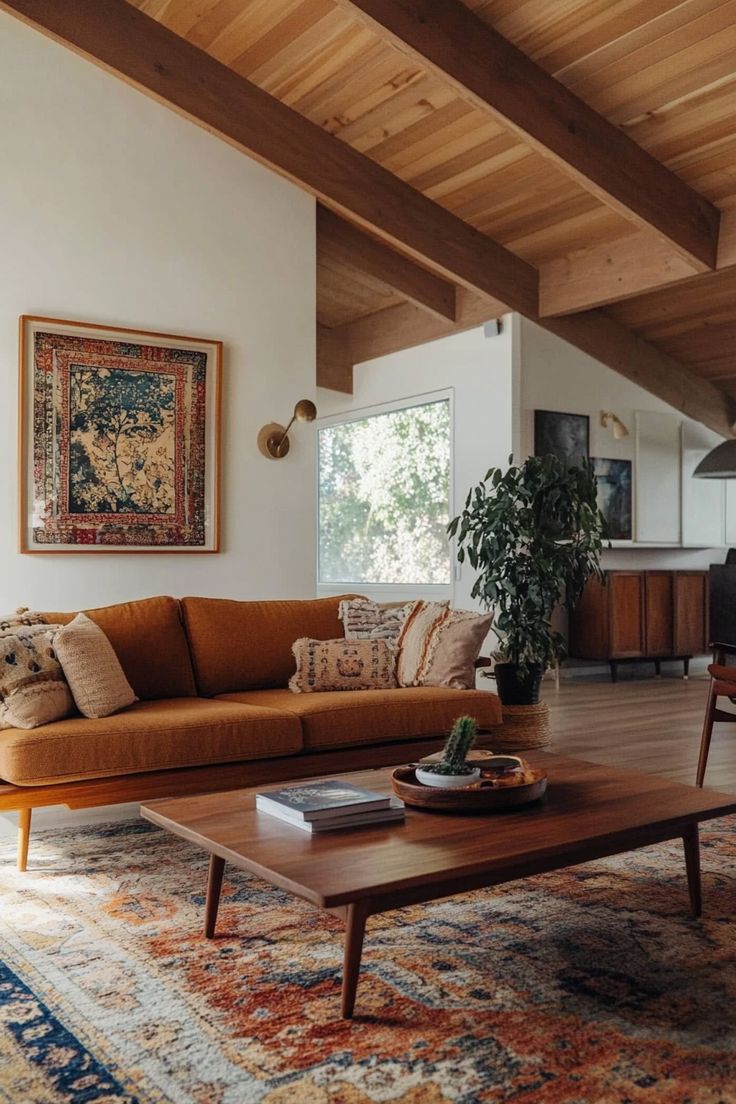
point(446, 781)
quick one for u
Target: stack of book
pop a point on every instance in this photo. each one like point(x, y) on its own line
point(325, 806)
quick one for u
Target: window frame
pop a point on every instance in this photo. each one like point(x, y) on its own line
point(388, 592)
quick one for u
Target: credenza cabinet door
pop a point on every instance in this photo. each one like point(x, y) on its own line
point(659, 613)
point(626, 605)
point(691, 612)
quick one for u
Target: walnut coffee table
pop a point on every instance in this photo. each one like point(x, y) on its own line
point(590, 811)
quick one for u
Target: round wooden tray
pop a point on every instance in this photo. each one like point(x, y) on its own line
point(482, 797)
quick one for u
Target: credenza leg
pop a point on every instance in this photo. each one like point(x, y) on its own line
point(357, 913)
point(686, 667)
point(614, 670)
point(691, 842)
point(212, 901)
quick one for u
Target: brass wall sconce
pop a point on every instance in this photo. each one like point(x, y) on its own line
point(273, 439)
point(609, 420)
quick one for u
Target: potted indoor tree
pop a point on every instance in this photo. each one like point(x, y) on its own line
point(534, 534)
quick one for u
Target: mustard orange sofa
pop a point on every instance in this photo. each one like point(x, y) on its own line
point(215, 711)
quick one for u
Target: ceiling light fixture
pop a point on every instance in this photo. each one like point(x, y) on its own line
point(719, 463)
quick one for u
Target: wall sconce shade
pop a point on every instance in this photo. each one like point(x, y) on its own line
point(273, 439)
point(609, 420)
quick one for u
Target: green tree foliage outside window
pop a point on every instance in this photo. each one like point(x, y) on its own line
point(384, 497)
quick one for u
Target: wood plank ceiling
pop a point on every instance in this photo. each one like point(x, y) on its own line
point(629, 273)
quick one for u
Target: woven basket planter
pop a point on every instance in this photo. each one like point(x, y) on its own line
point(524, 727)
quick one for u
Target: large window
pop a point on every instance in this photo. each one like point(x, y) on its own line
point(384, 497)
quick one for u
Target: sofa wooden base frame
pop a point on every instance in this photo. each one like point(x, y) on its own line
point(119, 789)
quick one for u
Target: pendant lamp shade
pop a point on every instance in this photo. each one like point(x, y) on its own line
point(720, 463)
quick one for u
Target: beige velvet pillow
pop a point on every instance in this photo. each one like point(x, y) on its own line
point(342, 665)
point(93, 671)
point(32, 687)
point(439, 646)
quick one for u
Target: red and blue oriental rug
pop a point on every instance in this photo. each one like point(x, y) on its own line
point(590, 986)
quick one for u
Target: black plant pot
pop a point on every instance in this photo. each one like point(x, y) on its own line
point(517, 686)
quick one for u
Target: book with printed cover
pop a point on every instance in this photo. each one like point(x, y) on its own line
point(311, 801)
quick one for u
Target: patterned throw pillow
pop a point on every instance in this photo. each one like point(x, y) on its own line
point(93, 671)
point(342, 665)
point(367, 620)
point(23, 617)
point(438, 646)
point(33, 691)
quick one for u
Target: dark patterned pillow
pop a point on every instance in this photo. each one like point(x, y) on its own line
point(342, 665)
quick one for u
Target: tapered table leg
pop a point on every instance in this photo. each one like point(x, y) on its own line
point(691, 841)
point(357, 914)
point(212, 901)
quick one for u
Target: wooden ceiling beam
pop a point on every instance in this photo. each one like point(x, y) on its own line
point(334, 360)
point(622, 269)
point(134, 46)
point(491, 73)
point(419, 285)
point(405, 325)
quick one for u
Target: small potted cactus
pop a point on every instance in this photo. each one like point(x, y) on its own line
point(453, 771)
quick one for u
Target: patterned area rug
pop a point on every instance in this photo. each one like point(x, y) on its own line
point(591, 985)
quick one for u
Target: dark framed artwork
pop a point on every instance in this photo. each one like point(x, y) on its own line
point(119, 439)
point(615, 496)
point(562, 435)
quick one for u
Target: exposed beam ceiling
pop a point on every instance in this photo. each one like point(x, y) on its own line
point(622, 269)
point(486, 69)
point(405, 276)
point(144, 52)
point(156, 60)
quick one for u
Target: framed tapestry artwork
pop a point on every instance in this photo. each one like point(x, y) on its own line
point(614, 496)
point(119, 439)
point(562, 435)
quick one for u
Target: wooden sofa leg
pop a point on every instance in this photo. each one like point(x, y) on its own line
point(24, 835)
point(707, 733)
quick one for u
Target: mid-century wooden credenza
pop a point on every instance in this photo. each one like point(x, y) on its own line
point(642, 615)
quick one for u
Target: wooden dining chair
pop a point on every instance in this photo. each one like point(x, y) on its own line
point(722, 685)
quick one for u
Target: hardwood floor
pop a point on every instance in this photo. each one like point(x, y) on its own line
point(650, 724)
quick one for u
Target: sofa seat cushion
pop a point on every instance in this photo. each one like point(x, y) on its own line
point(348, 717)
point(149, 640)
point(247, 645)
point(149, 736)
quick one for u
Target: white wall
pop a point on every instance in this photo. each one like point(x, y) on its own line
point(478, 370)
point(556, 376)
point(115, 210)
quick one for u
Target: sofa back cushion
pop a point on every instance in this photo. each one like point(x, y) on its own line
point(149, 640)
point(247, 645)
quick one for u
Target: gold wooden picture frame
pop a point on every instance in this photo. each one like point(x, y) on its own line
point(119, 439)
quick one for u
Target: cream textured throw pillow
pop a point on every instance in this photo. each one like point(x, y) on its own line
point(438, 646)
point(367, 620)
point(342, 665)
point(32, 687)
point(93, 671)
